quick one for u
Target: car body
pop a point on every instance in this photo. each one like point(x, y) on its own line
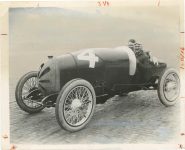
point(110, 73)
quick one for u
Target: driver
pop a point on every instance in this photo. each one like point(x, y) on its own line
point(142, 57)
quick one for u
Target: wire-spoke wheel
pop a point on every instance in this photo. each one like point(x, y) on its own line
point(169, 87)
point(75, 105)
point(28, 96)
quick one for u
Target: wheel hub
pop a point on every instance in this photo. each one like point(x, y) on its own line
point(170, 86)
point(76, 103)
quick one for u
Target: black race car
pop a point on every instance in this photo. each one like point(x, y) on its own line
point(73, 83)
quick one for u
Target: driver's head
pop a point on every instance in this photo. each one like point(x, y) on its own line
point(131, 41)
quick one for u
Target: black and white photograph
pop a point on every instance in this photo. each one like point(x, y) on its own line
point(95, 72)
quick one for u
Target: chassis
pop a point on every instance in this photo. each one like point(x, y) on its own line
point(73, 83)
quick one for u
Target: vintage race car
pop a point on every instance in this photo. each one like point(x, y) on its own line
point(74, 82)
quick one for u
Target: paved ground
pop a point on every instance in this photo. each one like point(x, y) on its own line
point(138, 117)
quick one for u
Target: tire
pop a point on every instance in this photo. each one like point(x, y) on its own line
point(19, 93)
point(81, 110)
point(164, 87)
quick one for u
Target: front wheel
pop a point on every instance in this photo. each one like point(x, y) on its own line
point(169, 87)
point(75, 105)
point(27, 94)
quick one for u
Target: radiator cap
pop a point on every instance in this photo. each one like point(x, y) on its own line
point(50, 57)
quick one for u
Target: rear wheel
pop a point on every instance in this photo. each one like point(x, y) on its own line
point(27, 94)
point(75, 105)
point(169, 87)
